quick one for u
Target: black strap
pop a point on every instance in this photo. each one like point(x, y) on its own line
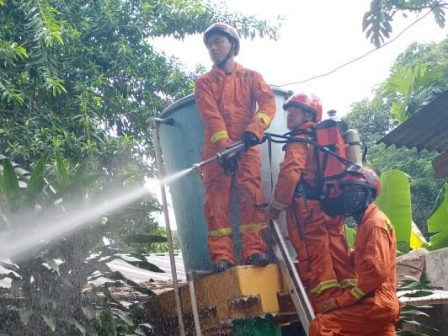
point(288, 139)
point(270, 163)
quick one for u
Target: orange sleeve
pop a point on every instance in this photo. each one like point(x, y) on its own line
point(291, 169)
point(373, 267)
point(214, 125)
point(266, 106)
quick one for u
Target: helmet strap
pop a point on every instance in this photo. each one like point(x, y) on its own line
point(229, 55)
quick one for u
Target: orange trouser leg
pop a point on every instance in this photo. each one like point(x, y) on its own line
point(351, 321)
point(217, 213)
point(340, 255)
point(251, 201)
point(308, 234)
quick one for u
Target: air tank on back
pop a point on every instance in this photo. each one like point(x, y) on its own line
point(181, 145)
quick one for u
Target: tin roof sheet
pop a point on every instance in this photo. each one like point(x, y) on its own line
point(136, 274)
point(427, 129)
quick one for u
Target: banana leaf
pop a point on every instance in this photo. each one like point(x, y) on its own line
point(350, 234)
point(37, 181)
point(395, 202)
point(62, 174)
point(417, 238)
point(438, 221)
point(10, 187)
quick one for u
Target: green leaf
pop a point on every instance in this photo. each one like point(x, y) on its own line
point(108, 324)
point(89, 312)
point(119, 276)
point(9, 266)
point(36, 182)
point(419, 293)
point(413, 284)
point(139, 331)
point(412, 313)
point(11, 188)
point(350, 234)
point(50, 321)
point(124, 316)
point(25, 316)
point(62, 173)
point(78, 326)
point(437, 223)
point(52, 264)
point(9, 275)
point(395, 202)
point(16, 286)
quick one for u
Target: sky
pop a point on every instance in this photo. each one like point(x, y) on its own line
point(316, 37)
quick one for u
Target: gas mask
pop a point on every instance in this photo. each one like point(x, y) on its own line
point(352, 201)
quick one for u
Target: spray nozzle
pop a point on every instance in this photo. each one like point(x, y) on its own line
point(197, 167)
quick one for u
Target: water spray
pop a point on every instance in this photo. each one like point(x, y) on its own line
point(226, 153)
point(36, 230)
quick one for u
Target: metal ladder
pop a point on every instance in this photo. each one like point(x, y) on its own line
point(291, 277)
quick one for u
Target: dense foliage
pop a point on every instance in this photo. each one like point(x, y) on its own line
point(80, 81)
point(54, 287)
point(418, 75)
point(377, 21)
point(83, 76)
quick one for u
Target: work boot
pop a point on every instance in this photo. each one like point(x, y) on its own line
point(258, 259)
point(221, 265)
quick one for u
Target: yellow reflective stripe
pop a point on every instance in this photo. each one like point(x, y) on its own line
point(348, 282)
point(389, 226)
point(357, 293)
point(220, 232)
point(264, 117)
point(278, 205)
point(219, 135)
point(324, 285)
point(253, 227)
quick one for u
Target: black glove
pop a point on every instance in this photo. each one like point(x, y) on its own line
point(229, 164)
point(250, 139)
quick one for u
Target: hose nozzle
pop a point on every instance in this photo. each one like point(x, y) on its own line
point(197, 167)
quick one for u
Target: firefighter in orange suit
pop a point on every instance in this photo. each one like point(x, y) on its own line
point(235, 104)
point(311, 232)
point(371, 308)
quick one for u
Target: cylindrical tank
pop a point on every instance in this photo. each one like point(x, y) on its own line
point(353, 143)
point(181, 145)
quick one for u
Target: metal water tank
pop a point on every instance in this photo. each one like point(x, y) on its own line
point(181, 145)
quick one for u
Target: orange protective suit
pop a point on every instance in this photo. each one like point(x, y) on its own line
point(319, 240)
point(228, 107)
point(371, 308)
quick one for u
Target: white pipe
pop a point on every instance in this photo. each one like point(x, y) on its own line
point(194, 307)
point(155, 138)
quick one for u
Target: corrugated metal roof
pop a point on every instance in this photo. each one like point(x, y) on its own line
point(136, 274)
point(162, 261)
point(427, 129)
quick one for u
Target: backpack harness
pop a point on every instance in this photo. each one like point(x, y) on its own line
point(331, 162)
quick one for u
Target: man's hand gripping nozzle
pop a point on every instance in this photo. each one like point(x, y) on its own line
point(230, 151)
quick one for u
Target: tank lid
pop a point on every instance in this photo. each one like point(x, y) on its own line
point(190, 99)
